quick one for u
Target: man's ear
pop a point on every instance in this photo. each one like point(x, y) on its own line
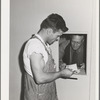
point(49, 31)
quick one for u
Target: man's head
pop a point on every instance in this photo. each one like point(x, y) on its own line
point(76, 41)
point(54, 26)
point(55, 22)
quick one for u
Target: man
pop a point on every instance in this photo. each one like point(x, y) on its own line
point(40, 73)
point(75, 52)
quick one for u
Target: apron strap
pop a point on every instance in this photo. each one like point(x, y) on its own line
point(34, 36)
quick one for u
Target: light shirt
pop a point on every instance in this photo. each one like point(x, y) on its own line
point(34, 45)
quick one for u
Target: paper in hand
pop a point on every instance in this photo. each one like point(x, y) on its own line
point(73, 67)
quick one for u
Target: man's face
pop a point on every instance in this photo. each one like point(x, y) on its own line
point(54, 36)
point(76, 42)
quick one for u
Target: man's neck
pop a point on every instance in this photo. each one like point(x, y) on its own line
point(42, 34)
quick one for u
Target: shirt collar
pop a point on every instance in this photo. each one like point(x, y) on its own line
point(40, 38)
point(47, 45)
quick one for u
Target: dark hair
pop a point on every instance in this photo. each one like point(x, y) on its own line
point(55, 22)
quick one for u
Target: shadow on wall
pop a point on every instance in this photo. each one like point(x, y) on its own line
point(21, 65)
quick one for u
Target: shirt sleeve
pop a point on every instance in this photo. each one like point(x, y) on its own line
point(36, 47)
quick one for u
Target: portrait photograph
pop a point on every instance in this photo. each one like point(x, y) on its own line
point(49, 50)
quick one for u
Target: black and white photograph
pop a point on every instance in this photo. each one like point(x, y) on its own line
point(49, 49)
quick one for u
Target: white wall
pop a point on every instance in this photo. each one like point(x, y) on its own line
point(25, 18)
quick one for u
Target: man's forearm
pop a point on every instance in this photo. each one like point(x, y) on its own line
point(48, 77)
point(42, 78)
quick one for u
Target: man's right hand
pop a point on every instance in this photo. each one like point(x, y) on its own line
point(66, 73)
point(62, 66)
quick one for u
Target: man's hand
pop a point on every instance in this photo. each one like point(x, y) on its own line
point(62, 66)
point(82, 66)
point(66, 73)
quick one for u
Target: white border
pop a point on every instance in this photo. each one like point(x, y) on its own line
point(97, 52)
point(5, 12)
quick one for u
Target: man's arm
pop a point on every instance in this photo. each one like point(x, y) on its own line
point(41, 77)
